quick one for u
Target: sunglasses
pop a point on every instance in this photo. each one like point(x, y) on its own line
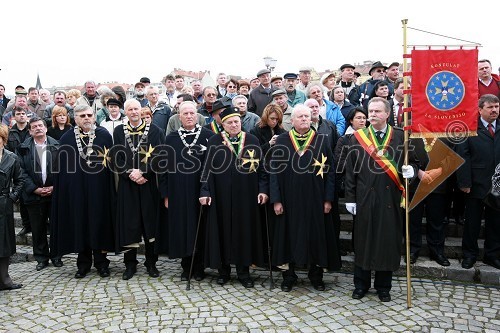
point(86, 115)
point(211, 95)
point(379, 71)
point(232, 87)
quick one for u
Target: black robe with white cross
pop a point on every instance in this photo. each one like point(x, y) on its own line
point(138, 206)
point(180, 183)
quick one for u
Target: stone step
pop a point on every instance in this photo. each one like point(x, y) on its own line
point(452, 246)
point(451, 229)
point(424, 268)
point(452, 250)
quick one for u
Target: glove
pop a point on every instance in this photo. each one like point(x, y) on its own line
point(351, 207)
point(408, 171)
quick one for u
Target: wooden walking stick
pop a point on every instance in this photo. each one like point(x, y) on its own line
point(271, 286)
point(188, 287)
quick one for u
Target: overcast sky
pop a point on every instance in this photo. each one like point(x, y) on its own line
point(110, 40)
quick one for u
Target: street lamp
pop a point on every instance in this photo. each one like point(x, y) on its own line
point(270, 63)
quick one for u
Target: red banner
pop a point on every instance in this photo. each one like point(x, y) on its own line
point(444, 92)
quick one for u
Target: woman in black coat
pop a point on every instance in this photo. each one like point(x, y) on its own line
point(269, 127)
point(11, 183)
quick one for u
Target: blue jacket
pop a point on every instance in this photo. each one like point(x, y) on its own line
point(335, 116)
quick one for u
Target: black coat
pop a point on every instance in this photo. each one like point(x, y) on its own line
point(138, 206)
point(16, 137)
point(83, 198)
point(379, 220)
point(180, 183)
point(32, 170)
point(234, 230)
point(11, 184)
point(481, 154)
point(303, 234)
point(265, 134)
point(259, 99)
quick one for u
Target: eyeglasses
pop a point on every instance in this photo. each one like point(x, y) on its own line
point(86, 115)
point(379, 71)
point(211, 95)
point(232, 87)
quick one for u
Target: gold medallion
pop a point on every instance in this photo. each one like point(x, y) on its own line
point(380, 153)
point(428, 148)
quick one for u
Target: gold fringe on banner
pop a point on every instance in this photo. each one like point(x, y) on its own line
point(433, 135)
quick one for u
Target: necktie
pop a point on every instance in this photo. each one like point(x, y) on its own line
point(490, 129)
point(379, 134)
point(400, 114)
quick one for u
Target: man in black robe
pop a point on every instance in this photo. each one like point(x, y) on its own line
point(233, 184)
point(302, 191)
point(138, 198)
point(373, 192)
point(83, 196)
point(180, 189)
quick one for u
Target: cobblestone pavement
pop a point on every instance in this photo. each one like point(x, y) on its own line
point(52, 300)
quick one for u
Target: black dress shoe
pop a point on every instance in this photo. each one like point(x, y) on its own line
point(103, 272)
point(246, 282)
point(12, 286)
point(222, 279)
point(318, 285)
point(468, 262)
point(81, 273)
point(153, 271)
point(129, 273)
point(42, 265)
point(384, 296)
point(57, 262)
point(24, 231)
point(440, 259)
point(492, 262)
point(287, 285)
point(358, 293)
point(413, 258)
point(199, 276)
point(459, 220)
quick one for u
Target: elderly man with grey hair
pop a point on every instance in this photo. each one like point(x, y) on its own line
point(304, 234)
point(248, 119)
point(90, 97)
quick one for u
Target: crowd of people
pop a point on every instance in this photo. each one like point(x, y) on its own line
point(241, 174)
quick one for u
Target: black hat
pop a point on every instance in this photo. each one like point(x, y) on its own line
point(113, 101)
point(344, 66)
point(145, 80)
point(221, 104)
point(357, 74)
point(228, 112)
point(278, 92)
point(377, 64)
point(139, 84)
point(290, 76)
point(263, 71)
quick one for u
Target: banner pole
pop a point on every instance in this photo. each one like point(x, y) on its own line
point(406, 138)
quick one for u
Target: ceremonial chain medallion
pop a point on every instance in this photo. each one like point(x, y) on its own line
point(79, 140)
point(197, 133)
point(129, 139)
point(428, 147)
